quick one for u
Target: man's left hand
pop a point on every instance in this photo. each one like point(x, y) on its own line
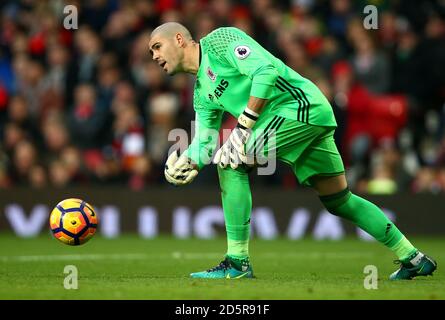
point(233, 151)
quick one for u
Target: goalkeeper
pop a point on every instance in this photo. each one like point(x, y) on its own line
point(281, 115)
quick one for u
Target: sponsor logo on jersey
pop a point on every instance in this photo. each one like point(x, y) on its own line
point(242, 52)
point(211, 74)
point(222, 86)
point(211, 97)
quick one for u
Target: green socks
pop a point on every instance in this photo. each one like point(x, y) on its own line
point(237, 206)
point(404, 249)
point(237, 248)
point(371, 219)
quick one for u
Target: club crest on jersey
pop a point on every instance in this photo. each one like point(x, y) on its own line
point(211, 74)
point(242, 52)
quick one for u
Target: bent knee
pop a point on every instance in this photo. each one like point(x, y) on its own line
point(328, 185)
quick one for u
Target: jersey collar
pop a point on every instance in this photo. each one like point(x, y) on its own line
point(200, 61)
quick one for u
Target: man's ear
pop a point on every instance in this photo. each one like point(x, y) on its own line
point(179, 40)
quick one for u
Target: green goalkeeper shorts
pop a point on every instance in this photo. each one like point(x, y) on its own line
point(309, 150)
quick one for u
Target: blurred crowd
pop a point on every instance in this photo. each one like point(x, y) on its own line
point(88, 106)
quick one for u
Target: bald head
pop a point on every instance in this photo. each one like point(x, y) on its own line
point(171, 29)
point(173, 48)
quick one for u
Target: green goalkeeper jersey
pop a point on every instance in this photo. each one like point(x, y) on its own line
point(233, 67)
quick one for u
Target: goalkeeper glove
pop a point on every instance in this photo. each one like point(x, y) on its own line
point(179, 170)
point(233, 150)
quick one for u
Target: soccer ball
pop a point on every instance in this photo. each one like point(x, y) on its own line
point(73, 221)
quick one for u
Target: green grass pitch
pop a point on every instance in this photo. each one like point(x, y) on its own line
point(134, 268)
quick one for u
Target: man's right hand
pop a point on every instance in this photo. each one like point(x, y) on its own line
point(179, 170)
